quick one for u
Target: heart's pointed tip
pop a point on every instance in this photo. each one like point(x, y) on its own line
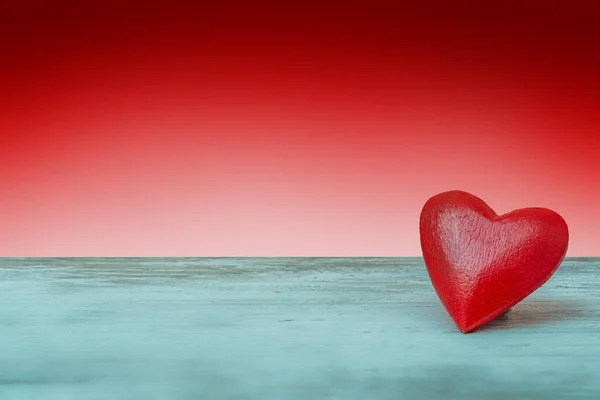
point(467, 330)
point(467, 325)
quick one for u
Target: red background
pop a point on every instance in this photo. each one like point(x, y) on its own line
point(300, 129)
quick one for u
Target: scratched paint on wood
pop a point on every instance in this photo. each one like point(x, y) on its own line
point(283, 328)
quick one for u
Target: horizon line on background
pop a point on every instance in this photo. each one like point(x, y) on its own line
point(243, 257)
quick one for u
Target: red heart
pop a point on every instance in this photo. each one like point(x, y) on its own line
point(481, 264)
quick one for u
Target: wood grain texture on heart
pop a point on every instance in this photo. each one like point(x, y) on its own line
point(481, 264)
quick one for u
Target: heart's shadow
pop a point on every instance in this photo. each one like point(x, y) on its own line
point(537, 313)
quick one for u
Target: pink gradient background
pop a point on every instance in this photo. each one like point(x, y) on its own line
point(306, 129)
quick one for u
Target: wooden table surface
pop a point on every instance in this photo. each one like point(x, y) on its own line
point(283, 328)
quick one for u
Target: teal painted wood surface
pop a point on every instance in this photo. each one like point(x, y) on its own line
point(283, 328)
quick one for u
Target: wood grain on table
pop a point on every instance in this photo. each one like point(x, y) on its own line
point(283, 328)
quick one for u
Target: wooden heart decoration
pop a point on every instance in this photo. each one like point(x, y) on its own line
point(481, 264)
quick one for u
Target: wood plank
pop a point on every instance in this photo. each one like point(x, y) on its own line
point(283, 328)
